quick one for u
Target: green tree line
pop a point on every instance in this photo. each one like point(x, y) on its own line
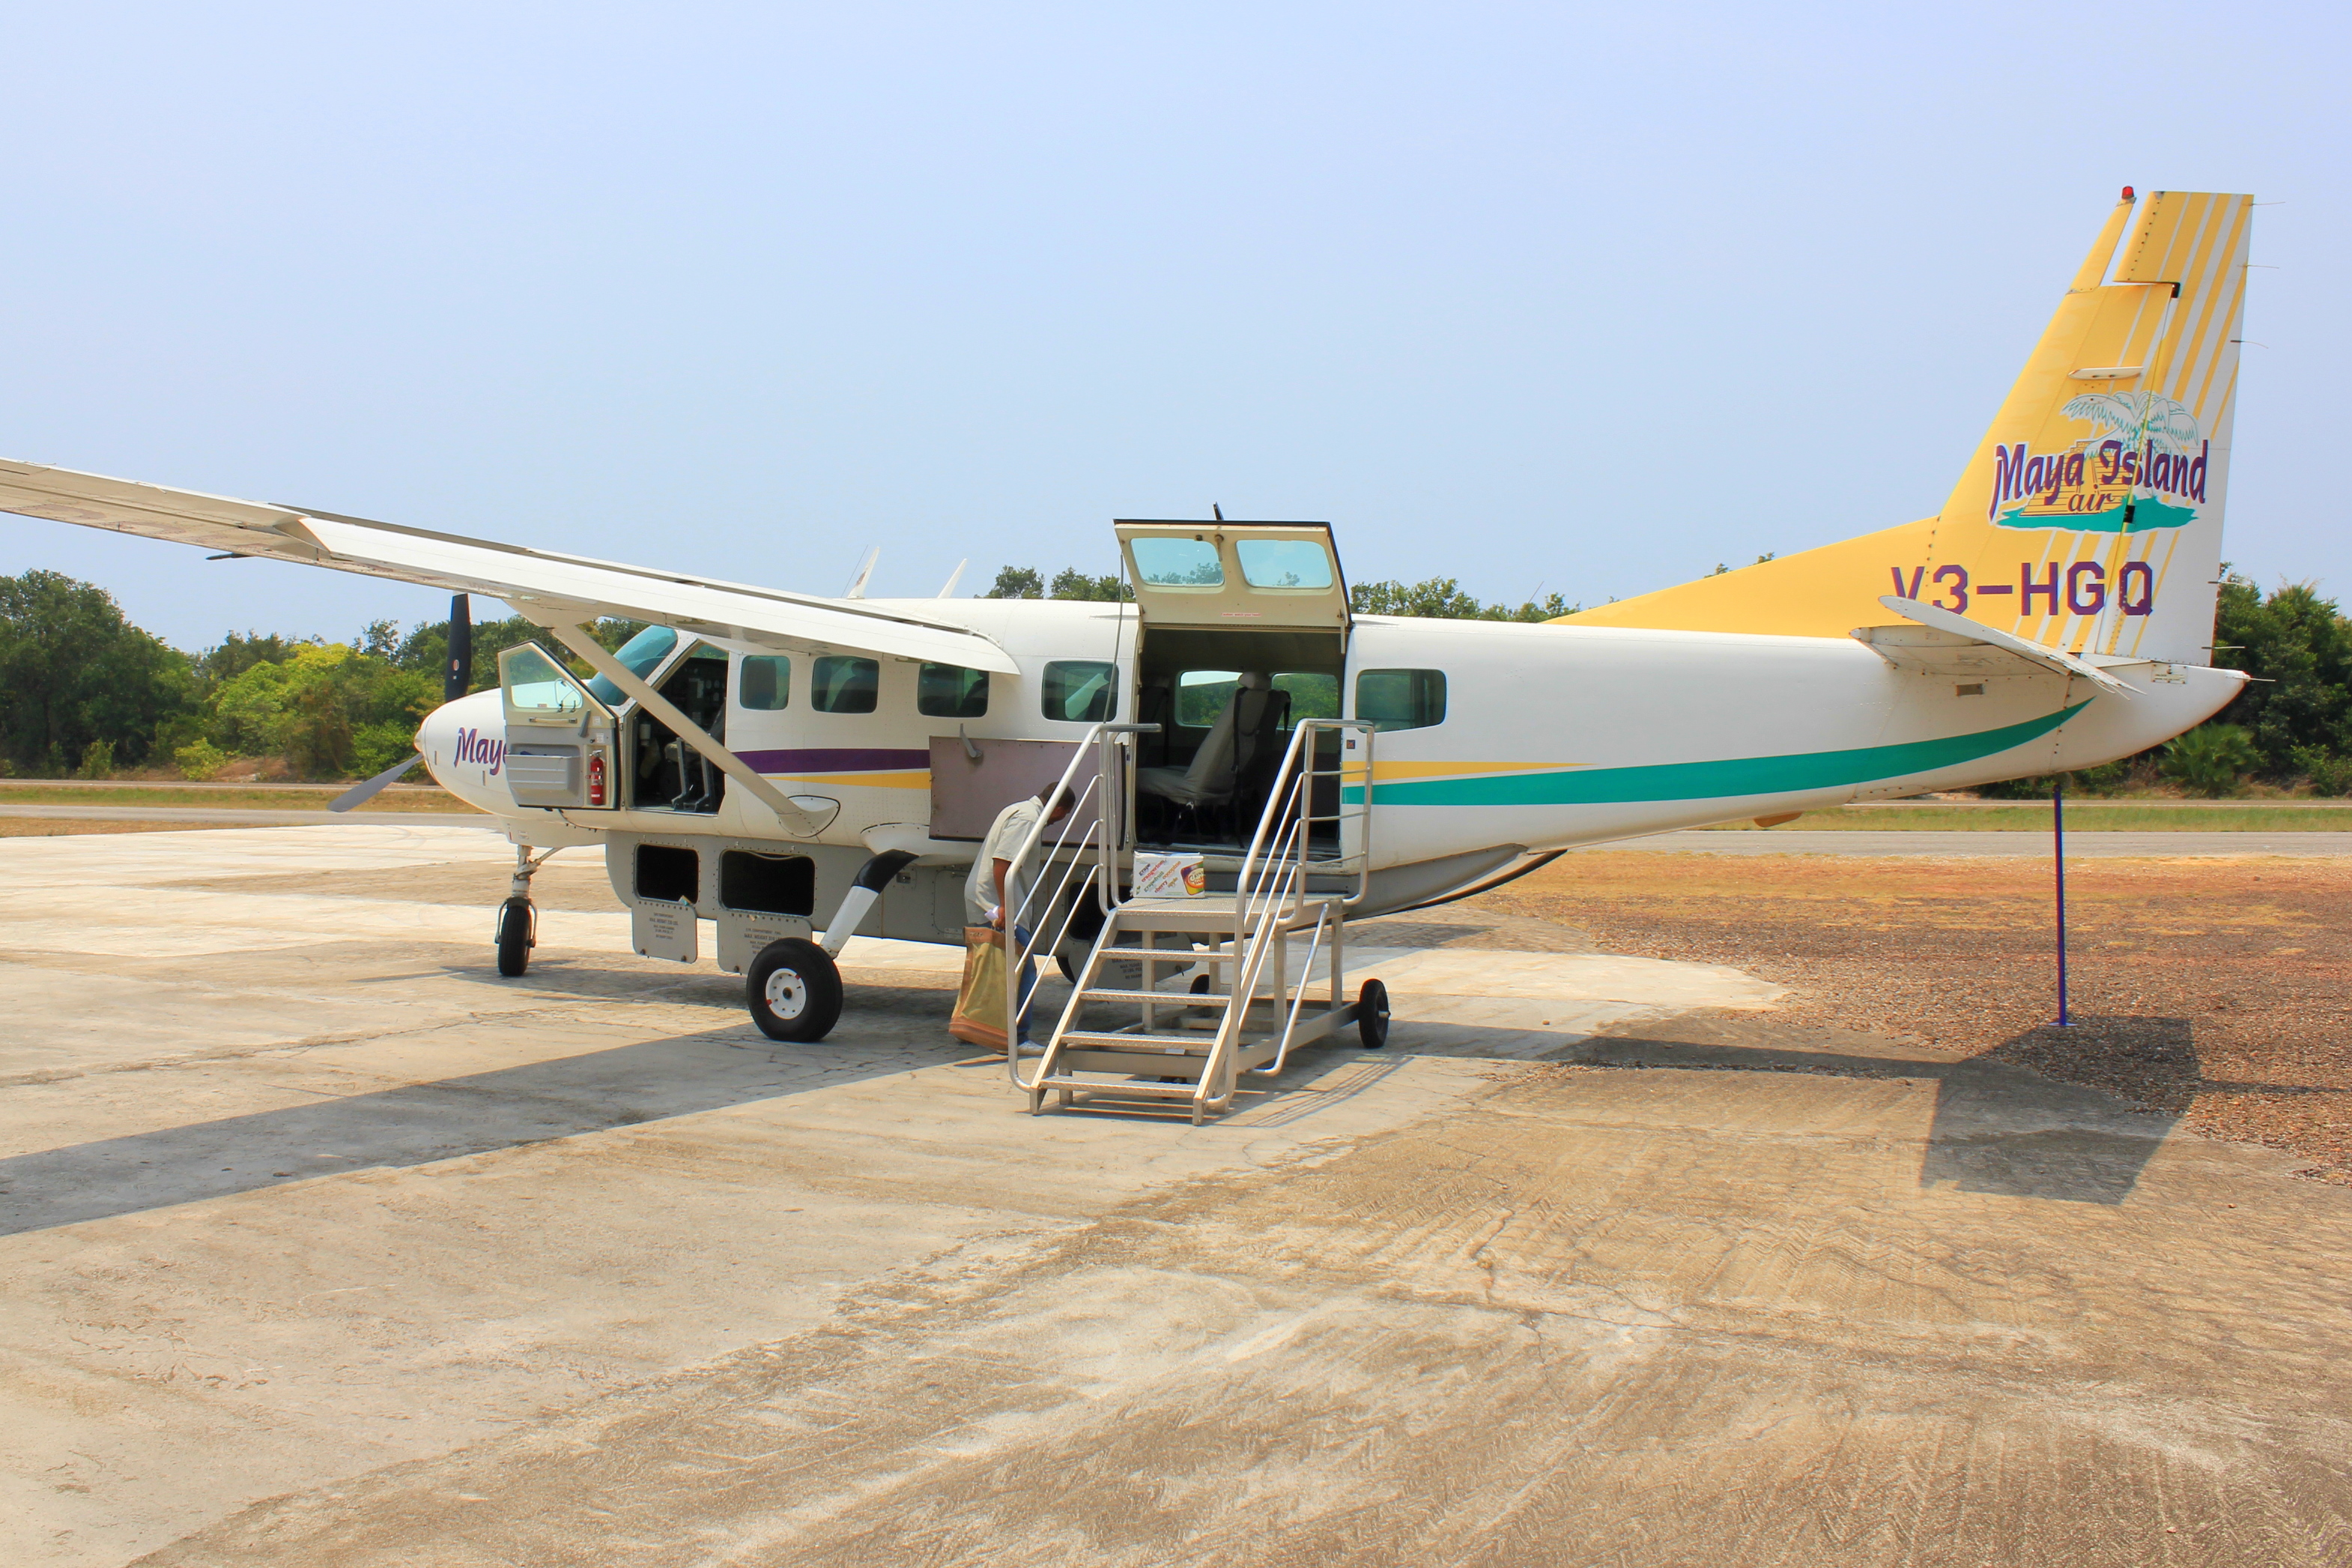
point(85, 692)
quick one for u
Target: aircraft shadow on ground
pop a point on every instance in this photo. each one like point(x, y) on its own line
point(2000, 1127)
point(419, 1124)
point(884, 1030)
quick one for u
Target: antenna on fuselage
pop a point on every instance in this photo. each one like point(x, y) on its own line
point(1217, 511)
point(955, 577)
point(857, 583)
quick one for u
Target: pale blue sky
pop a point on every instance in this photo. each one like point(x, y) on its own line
point(1524, 295)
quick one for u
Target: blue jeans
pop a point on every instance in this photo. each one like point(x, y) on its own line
point(1028, 982)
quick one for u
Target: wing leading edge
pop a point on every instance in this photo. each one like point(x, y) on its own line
point(545, 586)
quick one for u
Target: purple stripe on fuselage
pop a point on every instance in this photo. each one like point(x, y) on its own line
point(838, 759)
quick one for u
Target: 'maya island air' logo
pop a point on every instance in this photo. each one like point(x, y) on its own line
point(2144, 469)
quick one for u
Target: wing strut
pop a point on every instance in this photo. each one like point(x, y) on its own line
point(794, 818)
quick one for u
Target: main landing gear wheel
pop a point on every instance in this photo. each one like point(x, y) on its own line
point(1372, 1015)
point(793, 991)
point(516, 936)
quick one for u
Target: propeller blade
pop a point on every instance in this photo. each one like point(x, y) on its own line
point(457, 678)
point(361, 794)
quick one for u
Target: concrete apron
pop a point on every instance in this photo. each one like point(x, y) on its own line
point(328, 1246)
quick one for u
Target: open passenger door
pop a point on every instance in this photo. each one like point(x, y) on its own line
point(1241, 632)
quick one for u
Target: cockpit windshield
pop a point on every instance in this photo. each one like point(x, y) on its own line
point(640, 656)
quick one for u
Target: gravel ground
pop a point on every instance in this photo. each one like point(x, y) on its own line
point(2212, 991)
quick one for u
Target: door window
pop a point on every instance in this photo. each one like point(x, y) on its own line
point(950, 691)
point(766, 683)
point(537, 688)
point(1178, 563)
point(1284, 563)
point(842, 683)
point(1400, 699)
point(1080, 691)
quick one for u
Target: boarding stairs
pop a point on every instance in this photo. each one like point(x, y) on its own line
point(1202, 992)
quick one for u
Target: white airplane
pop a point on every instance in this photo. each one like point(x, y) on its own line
point(759, 758)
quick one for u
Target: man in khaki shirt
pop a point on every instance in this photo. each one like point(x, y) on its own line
point(993, 894)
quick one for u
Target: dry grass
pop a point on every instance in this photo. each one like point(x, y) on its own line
point(56, 827)
point(2082, 817)
point(2213, 990)
point(227, 797)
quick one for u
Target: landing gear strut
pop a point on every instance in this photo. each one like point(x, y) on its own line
point(793, 988)
point(517, 931)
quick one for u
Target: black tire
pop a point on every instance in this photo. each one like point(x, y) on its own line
point(516, 936)
point(1372, 1015)
point(793, 991)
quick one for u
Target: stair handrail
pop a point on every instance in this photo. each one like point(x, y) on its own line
point(1273, 877)
point(1107, 837)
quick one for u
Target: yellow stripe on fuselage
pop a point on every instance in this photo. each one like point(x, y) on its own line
point(1387, 771)
point(919, 779)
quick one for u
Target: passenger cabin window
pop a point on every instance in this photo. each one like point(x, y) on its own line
point(950, 691)
point(1400, 699)
point(1178, 563)
point(766, 684)
point(1201, 696)
point(1312, 696)
point(841, 682)
point(1080, 691)
point(641, 655)
point(536, 686)
point(1285, 563)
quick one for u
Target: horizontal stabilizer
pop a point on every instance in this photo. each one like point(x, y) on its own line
point(540, 584)
point(1954, 645)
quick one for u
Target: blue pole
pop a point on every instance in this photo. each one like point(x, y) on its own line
point(2058, 860)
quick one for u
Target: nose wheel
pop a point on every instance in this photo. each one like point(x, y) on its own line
point(518, 934)
point(793, 991)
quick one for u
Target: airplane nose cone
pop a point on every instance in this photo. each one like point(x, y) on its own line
point(464, 745)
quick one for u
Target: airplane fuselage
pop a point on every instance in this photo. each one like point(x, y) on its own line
point(1547, 738)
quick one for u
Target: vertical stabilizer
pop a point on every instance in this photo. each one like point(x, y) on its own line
point(2089, 518)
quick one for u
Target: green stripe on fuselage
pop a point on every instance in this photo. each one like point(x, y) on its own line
point(1730, 778)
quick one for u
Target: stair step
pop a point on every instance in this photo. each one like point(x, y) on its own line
point(1170, 1044)
point(1184, 999)
point(1145, 1091)
point(1167, 954)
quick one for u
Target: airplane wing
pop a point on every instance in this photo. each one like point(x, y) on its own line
point(540, 584)
point(1945, 643)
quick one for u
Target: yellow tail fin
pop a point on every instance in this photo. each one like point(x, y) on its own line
point(2089, 518)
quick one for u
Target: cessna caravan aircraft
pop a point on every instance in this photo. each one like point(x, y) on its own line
point(792, 769)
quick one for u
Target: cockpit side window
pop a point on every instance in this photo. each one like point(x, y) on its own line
point(765, 685)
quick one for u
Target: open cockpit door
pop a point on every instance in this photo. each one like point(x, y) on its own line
point(559, 737)
point(1235, 576)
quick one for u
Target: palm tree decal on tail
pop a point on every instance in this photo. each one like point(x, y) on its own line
point(2143, 468)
